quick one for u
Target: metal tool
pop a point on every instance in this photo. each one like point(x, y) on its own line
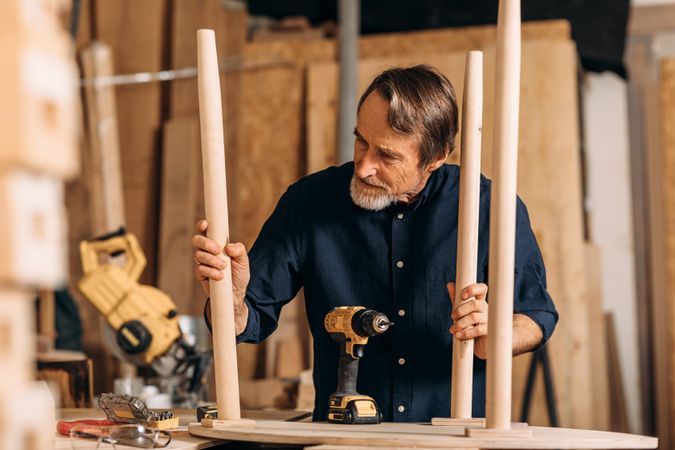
point(128, 409)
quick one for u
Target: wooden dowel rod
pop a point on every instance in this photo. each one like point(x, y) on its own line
point(46, 315)
point(467, 236)
point(215, 196)
point(503, 217)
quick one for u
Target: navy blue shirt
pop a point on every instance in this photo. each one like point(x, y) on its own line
point(396, 261)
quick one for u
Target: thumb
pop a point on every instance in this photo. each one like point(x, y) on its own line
point(235, 250)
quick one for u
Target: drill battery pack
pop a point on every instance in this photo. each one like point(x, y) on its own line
point(353, 409)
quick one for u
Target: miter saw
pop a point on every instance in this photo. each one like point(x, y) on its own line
point(142, 321)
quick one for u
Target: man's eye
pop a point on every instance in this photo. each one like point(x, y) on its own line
point(386, 155)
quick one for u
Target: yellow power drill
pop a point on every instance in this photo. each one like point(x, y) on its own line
point(351, 326)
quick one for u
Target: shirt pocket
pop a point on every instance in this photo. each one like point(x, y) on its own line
point(437, 302)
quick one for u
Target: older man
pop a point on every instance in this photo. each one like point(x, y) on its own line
point(381, 232)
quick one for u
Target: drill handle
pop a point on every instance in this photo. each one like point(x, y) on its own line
point(348, 372)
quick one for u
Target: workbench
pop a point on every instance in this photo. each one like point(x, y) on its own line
point(274, 431)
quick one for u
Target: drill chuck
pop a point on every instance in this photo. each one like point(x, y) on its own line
point(367, 323)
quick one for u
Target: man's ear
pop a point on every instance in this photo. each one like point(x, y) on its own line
point(438, 162)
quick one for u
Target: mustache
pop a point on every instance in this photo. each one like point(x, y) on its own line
point(370, 181)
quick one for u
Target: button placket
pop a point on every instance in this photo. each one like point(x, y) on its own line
point(401, 277)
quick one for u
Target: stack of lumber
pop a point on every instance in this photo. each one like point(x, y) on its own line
point(38, 125)
point(280, 95)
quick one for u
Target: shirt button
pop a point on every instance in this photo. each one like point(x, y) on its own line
point(401, 361)
point(399, 215)
point(399, 264)
point(401, 408)
point(401, 312)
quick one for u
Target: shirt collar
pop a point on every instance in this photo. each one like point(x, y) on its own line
point(433, 186)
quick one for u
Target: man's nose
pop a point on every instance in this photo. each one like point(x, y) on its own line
point(365, 166)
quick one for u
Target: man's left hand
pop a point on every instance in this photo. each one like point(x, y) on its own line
point(470, 317)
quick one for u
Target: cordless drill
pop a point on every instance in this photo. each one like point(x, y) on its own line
point(351, 326)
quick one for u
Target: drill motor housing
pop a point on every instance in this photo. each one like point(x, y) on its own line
point(351, 326)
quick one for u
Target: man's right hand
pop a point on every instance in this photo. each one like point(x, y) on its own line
point(209, 265)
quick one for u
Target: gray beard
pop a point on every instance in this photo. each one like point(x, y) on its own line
point(368, 200)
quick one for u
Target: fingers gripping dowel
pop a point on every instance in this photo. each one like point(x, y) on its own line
point(215, 196)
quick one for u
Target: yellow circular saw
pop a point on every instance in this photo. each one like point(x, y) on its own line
point(143, 319)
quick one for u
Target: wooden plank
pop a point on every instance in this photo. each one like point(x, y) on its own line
point(619, 413)
point(85, 26)
point(646, 20)
point(135, 32)
point(654, 375)
point(538, 414)
point(102, 175)
point(448, 40)
point(102, 153)
point(650, 235)
point(266, 393)
point(598, 342)
point(549, 149)
point(181, 205)
point(46, 320)
point(667, 157)
point(290, 357)
point(551, 136)
point(322, 85)
point(388, 435)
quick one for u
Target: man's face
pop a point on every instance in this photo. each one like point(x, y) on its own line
point(385, 161)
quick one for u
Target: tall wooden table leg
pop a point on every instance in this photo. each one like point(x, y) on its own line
point(215, 194)
point(503, 227)
point(467, 239)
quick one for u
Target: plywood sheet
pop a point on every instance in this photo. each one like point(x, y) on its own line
point(389, 435)
point(667, 104)
point(135, 32)
point(444, 40)
point(597, 342)
point(181, 205)
point(549, 183)
point(448, 40)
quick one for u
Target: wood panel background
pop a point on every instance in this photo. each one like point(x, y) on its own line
point(649, 100)
point(549, 156)
point(667, 106)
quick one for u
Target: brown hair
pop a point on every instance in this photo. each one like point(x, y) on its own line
point(422, 103)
